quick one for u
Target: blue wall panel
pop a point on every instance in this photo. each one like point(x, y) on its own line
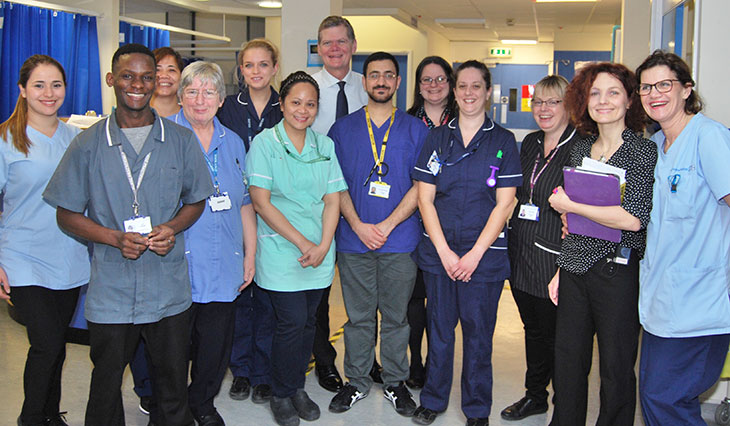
point(566, 59)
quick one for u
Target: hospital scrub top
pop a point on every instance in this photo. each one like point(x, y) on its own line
point(466, 193)
point(685, 274)
point(214, 243)
point(238, 113)
point(296, 189)
point(33, 249)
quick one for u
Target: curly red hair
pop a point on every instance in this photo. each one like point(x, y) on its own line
point(576, 97)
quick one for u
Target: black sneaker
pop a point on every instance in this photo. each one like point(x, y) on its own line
point(401, 398)
point(424, 416)
point(57, 420)
point(346, 398)
point(261, 393)
point(240, 388)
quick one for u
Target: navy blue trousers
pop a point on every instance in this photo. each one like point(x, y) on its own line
point(253, 333)
point(674, 372)
point(474, 304)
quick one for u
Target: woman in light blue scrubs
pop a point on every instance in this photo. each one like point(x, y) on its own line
point(41, 268)
point(221, 245)
point(685, 276)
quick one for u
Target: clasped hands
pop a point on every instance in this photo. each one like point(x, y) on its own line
point(160, 240)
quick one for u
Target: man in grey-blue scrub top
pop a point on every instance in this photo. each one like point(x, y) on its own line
point(142, 180)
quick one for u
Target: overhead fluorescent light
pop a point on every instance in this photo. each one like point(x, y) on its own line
point(566, 1)
point(270, 4)
point(462, 23)
point(506, 41)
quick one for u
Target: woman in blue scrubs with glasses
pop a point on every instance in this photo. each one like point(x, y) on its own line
point(684, 276)
point(467, 174)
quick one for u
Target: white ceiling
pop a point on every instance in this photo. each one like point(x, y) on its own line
point(528, 20)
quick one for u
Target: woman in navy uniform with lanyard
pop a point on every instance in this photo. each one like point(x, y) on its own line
point(433, 103)
point(468, 172)
point(534, 239)
point(253, 109)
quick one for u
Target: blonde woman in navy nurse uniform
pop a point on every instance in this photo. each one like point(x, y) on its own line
point(467, 176)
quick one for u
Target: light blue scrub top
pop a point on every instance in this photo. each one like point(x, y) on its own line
point(685, 273)
point(33, 249)
point(296, 189)
point(214, 244)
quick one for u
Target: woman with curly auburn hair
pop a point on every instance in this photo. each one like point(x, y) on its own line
point(599, 279)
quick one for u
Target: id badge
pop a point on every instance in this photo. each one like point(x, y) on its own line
point(220, 202)
point(529, 212)
point(139, 224)
point(622, 255)
point(379, 189)
point(434, 165)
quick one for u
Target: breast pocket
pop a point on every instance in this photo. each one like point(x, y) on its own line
point(170, 185)
point(680, 204)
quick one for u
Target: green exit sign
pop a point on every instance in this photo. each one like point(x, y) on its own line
point(500, 52)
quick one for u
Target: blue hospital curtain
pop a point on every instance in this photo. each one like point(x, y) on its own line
point(150, 37)
point(69, 38)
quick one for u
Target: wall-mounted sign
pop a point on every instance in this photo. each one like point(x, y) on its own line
point(500, 52)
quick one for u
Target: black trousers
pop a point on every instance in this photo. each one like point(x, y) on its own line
point(604, 302)
point(323, 351)
point(113, 346)
point(538, 316)
point(46, 314)
point(293, 338)
point(417, 322)
point(211, 336)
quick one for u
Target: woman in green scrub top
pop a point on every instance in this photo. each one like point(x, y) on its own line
point(294, 183)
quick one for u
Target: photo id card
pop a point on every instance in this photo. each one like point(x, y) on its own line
point(220, 202)
point(529, 212)
point(139, 224)
point(379, 189)
point(434, 165)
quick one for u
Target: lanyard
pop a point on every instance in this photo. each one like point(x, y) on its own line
point(533, 178)
point(128, 171)
point(251, 133)
point(319, 158)
point(463, 156)
point(378, 161)
point(214, 169)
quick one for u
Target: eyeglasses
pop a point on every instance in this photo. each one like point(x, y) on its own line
point(193, 93)
point(661, 86)
point(550, 103)
point(375, 76)
point(427, 81)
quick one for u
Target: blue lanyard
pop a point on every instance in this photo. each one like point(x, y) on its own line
point(251, 133)
point(463, 156)
point(214, 169)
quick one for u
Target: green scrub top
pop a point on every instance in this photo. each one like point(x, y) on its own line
point(297, 187)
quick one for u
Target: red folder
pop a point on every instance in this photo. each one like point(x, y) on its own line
point(596, 189)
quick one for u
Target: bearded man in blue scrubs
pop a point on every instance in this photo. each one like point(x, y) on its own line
point(377, 147)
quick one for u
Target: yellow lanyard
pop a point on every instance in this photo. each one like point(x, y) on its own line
point(378, 161)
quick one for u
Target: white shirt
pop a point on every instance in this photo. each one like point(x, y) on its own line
point(328, 90)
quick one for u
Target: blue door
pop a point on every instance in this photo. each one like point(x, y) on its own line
point(400, 95)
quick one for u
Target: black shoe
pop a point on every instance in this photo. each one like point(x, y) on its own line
point(524, 408)
point(213, 419)
point(306, 408)
point(57, 420)
point(417, 378)
point(401, 398)
point(328, 377)
point(21, 423)
point(424, 416)
point(284, 412)
point(346, 398)
point(375, 372)
point(240, 388)
point(261, 393)
point(144, 404)
point(477, 421)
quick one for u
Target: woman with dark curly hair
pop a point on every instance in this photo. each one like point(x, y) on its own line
point(599, 279)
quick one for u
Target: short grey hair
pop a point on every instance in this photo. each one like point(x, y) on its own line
point(207, 72)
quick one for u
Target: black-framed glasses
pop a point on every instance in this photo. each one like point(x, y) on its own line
point(550, 103)
point(661, 86)
point(427, 81)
